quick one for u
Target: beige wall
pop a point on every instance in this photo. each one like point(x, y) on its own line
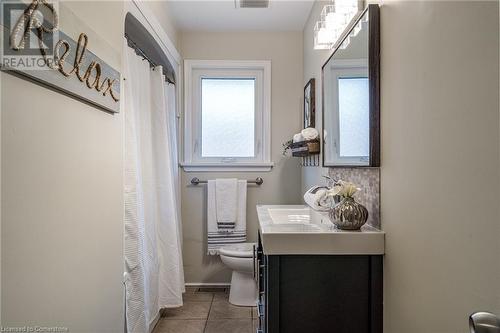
point(62, 195)
point(62, 201)
point(282, 184)
point(440, 168)
point(440, 114)
point(313, 60)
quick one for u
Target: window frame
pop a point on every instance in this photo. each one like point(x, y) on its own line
point(194, 72)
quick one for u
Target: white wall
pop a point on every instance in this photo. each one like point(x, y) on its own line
point(440, 163)
point(164, 17)
point(282, 184)
point(62, 195)
point(313, 61)
point(440, 167)
point(62, 201)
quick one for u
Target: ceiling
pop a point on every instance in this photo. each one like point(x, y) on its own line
point(222, 15)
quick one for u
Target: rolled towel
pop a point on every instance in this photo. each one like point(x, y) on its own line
point(310, 133)
point(298, 137)
point(313, 197)
point(323, 200)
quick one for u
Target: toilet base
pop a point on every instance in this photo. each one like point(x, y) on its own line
point(243, 290)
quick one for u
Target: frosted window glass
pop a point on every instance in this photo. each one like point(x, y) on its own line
point(354, 121)
point(228, 117)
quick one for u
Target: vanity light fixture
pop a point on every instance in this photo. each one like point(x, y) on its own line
point(335, 17)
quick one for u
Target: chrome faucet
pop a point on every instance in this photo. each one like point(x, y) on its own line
point(484, 322)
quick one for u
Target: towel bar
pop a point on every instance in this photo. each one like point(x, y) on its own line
point(259, 181)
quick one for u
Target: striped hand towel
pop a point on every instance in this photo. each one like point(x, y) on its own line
point(226, 203)
point(216, 236)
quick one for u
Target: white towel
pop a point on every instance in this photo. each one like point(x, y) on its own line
point(310, 133)
point(317, 199)
point(298, 137)
point(226, 201)
point(322, 200)
point(217, 237)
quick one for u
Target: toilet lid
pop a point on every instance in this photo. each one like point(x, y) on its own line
point(241, 250)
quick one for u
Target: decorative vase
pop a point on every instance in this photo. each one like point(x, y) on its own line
point(348, 214)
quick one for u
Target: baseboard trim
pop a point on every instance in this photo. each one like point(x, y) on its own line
point(203, 284)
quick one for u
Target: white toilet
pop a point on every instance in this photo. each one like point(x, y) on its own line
point(239, 257)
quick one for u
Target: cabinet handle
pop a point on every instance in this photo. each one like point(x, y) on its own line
point(259, 309)
point(254, 259)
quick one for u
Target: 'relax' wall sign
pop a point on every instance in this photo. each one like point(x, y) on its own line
point(34, 47)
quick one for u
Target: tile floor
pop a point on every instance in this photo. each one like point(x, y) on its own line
point(207, 312)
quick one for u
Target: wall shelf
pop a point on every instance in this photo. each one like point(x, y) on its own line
point(306, 148)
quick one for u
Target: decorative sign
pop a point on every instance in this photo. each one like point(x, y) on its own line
point(34, 47)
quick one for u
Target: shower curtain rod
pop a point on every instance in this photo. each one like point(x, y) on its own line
point(140, 52)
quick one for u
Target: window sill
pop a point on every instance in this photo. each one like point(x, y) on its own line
point(221, 167)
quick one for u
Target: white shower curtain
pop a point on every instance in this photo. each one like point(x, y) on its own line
point(153, 258)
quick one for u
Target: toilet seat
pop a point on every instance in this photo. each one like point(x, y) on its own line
point(241, 250)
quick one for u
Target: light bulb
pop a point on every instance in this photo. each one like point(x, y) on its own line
point(322, 36)
point(345, 43)
point(355, 31)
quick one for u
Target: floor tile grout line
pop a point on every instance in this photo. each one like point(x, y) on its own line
point(208, 314)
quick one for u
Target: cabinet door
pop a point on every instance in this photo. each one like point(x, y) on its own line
point(329, 294)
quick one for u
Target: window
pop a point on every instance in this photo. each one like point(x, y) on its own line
point(354, 118)
point(227, 115)
point(227, 118)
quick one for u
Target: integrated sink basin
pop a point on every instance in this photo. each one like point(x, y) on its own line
point(289, 215)
point(291, 220)
point(297, 229)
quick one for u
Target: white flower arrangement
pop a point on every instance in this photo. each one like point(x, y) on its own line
point(343, 189)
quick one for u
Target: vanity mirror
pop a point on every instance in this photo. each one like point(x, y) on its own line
point(351, 96)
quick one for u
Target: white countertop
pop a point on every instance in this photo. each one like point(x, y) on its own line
point(297, 229)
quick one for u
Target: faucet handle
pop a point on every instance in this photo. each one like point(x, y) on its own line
point(484, 322)
point(331, 181)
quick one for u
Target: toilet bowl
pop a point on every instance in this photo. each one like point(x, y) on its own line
point(240, 259)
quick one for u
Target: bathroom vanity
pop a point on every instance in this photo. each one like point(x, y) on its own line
point(313, 277)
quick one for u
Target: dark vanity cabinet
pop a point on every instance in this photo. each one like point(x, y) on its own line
point(319, 293)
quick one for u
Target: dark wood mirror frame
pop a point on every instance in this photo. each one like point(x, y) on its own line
point(373, 82)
